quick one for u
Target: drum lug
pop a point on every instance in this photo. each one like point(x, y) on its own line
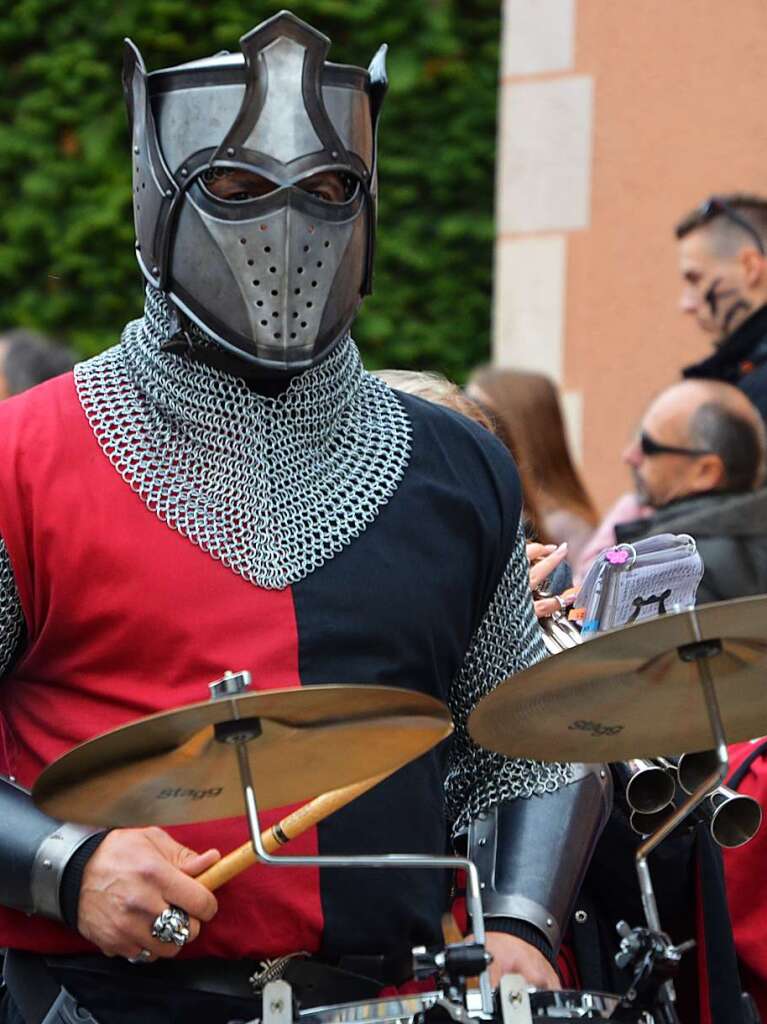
point(277, 1002)
point(515, 1000)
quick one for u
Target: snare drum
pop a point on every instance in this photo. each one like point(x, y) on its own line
point(521, 1005)
point(407, 1009)
point(570, 1005)
point(565, 1007)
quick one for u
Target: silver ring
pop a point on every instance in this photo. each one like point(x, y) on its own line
point(562, 604)
point(172, 925)
point(140, 958)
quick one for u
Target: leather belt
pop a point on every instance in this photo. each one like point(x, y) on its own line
point(34, 979)
point(314, 982)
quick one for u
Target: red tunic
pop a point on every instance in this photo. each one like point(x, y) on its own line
point(744, 870)
point(117, 606)
point(127, 617)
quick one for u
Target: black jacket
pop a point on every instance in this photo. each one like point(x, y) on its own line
point(685, 866)
point(741, 360)
point(731, 533)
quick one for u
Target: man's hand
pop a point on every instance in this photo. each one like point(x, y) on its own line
point(515, 956)
point(130, 879)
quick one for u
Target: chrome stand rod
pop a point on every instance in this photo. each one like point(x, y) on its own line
point(386, 860)
point(712, 781)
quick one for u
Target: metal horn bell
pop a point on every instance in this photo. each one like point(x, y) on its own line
point(649, 787)
point(733, 818)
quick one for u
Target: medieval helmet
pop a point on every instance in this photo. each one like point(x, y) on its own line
point(275, 280)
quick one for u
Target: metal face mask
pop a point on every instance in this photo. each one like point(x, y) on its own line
point(275, 280)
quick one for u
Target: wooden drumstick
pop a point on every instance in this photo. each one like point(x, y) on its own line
point(283, 831)
point(451, 933)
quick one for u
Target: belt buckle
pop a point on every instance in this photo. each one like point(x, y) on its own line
point(273, 970)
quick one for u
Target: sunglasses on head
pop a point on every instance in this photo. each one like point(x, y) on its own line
point(715, 207)
point(649, 446)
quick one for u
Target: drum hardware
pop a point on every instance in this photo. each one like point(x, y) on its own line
point(574, 1006)
point(514, 999)
point(230, 684)
point(518, 1003)
point(649, 787)
point(628, 693)
point(586, 704)
point(178, 753)
point(559, 634)
point(410, 1009)
point(239, 730)
point(277, 1003)
point(670, 765)
point(456, 962)
point(733, 818)
point(394, 1010)
point(693, 767)
point(453, 965)
point(698, 654)
point(654, 960)
point(173, 768)
point(645, 824)
point(478, 1002)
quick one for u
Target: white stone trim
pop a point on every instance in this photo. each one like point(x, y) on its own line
point(538, 36)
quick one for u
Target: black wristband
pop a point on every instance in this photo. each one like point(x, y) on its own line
point(525, 931)
point(71, 880)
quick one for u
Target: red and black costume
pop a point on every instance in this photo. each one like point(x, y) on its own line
point(229, 489)
point(125, 617)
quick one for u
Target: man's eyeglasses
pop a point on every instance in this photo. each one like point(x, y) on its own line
point(715, 207)
point(649, 446)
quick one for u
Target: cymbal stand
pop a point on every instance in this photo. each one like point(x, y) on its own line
point(479, 1002)
point(699, 652)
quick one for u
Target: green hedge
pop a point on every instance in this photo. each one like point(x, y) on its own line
point(66, 236)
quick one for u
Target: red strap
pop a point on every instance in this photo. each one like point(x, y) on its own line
point(704, 988)
point(567, 968)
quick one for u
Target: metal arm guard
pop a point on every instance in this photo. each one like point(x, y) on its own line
point(532, 854)
point(34, 851)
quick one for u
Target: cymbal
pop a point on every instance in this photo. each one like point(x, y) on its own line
point(628, 693)
point(171, 768)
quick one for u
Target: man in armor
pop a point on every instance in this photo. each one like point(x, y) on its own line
point(228, 487)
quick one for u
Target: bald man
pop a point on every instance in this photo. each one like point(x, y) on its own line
point(723, 264)
point(699, 462)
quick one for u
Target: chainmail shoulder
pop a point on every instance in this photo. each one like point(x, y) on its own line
point(12, 626)
point(273, 487)
point(507, 641)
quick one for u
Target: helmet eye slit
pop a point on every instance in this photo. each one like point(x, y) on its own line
point(235, 185)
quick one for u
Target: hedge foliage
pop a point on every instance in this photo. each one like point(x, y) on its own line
point(66, 235)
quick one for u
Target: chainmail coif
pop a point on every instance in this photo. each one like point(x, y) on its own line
point(273, 487)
